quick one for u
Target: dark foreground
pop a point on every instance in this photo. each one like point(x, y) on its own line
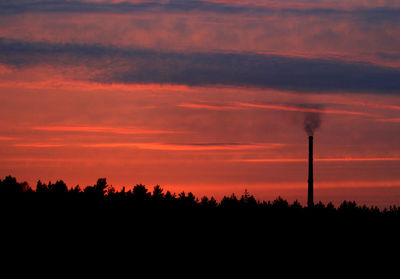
point(68, 232)
point(69, 227)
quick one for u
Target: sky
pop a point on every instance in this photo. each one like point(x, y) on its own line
point(208, 97)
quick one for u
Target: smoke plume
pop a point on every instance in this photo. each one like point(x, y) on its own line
point(312, 121)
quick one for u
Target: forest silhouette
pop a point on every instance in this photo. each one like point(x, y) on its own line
point(160, 220)
point(101, 195)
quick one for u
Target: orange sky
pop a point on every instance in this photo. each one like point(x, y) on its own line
point(151, 97)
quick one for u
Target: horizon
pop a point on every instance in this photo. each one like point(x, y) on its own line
point(211, 97)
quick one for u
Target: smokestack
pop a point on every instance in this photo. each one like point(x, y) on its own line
point(310, 200)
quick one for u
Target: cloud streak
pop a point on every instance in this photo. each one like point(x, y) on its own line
point(7, 138)
point(210, 107)
point(131, 66)
point(286, 8)
point(303, 109)
point(93, 129)
point(279, 107)
point(186, 147)
point(158, 146)
point(38, 145)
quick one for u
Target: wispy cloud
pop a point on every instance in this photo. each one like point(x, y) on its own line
point(38, 145)
point(210, 107)
point(104, 129)
point(281, 107)
point(186, 147)
point(367, 104)
point(389, 120)
point(7, 138)
point(160, 146)
point(302, 109)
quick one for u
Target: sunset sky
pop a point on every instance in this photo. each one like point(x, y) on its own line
point(204, 96)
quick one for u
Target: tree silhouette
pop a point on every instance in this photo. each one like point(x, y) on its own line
point(158, 193)
point(248, 200)
point(140, 193)
point(97, 191)
point(187, 201)
point(58, 190)
point(75, 193)
point(229, 202)
point(208, 203)
point(41, 188)
point(10, 187)
point(280, 204)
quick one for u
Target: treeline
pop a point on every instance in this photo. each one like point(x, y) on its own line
point(59, 193)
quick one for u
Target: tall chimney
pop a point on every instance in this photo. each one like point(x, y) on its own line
point(310, 200)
